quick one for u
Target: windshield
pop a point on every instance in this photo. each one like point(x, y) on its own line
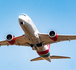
point(23, 14)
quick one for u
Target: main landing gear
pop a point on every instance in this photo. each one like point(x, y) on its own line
point(35, 47)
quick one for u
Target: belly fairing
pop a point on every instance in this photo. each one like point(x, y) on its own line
point(45, 52)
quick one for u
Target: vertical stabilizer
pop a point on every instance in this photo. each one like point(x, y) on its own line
point(48, 58)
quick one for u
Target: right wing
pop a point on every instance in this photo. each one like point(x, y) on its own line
point(20, 40)
point(46, 39)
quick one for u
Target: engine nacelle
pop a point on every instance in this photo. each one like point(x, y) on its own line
point(10, 39)
point(53, 35)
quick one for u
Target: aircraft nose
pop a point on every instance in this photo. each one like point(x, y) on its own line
point(21, 20)
point(20, 17)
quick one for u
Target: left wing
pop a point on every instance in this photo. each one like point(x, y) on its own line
point(4, 43)
point(46, 39)
point(20, 40)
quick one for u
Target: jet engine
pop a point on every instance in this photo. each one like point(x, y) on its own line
point(53, 35)
point(10, 39)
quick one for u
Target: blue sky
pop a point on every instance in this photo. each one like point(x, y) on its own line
point(57, 15)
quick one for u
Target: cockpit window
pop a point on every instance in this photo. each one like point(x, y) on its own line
point(23, 14)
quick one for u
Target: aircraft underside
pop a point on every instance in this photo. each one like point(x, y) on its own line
point(37, 41)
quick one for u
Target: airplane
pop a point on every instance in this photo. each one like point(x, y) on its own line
point(37, 41)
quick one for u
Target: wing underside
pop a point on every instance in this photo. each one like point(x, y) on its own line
point(46, 39)
point(20, 40)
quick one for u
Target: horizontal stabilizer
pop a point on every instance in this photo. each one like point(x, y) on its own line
point(51, 57)
point(36, 59)
point(58, 57)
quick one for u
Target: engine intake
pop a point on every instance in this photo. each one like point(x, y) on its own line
point(10, 39)
point(53, 35)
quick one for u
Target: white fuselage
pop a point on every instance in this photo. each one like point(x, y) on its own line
point(31, 33)
point(29, 29)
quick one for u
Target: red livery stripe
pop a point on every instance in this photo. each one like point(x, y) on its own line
point(48, 46)
point(43, 52)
